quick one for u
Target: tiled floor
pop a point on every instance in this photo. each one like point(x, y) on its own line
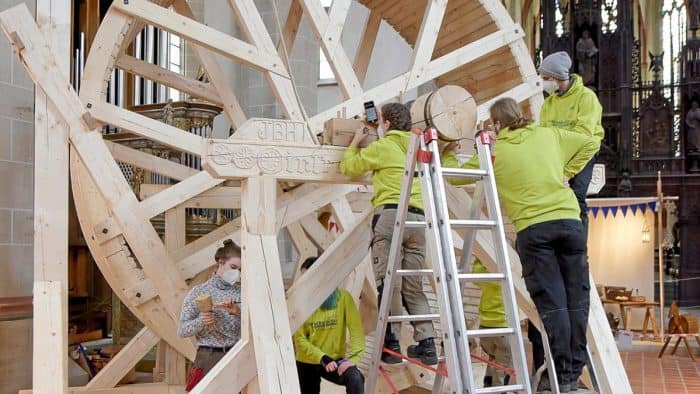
point(670, 375)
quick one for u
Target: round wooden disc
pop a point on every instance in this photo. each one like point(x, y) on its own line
point(453, 112)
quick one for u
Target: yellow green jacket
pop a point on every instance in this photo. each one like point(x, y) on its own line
point(385, 158)
point(578, 110)
point(492, 312)
point(324, 333)
point(530, 166)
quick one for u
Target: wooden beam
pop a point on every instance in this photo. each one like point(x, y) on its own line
point(202, 35)
point(204, 91)
point(434, 69)
point(291, 28)
point(225, 197)
point(252, 24)
point(318, 234)
point(150, 162)
point(125, 360)
point(148, 388)
point(328, 33)
point(427, 38)
point(364, 51)
point(231, 373)
point(178, 194)
point(217, 77)
point(305, 248)
point(51, 209)
point(152, 129)
point(270, 331)
point(175, 237)
point(50, 310)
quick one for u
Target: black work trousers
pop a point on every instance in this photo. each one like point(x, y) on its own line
point(555, 269)
point(310, 379)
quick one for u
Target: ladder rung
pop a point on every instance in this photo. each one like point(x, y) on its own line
point(487, 277)
point(490, 332)
point(413, 272)
point(414, 224)
point(475, 224)
point(410, 318)
point(463, 173)
point(501, 389)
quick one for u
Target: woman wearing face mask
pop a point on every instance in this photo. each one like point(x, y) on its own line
point(529, 162)
point(216, 331)
point(386, 159)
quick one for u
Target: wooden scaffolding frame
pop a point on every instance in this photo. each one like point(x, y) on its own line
point(471, 43)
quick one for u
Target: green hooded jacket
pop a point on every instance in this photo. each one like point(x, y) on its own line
point(492, 312)
point(578, 110)
point(530, 165)
point(386, 158)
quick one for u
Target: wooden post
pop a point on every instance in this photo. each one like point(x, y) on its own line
point(51, 213)
point(50, 328)
point(262, 280)
point(659, 240)
point(175, 238)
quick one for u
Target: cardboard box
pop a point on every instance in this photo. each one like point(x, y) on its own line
point(339, 132)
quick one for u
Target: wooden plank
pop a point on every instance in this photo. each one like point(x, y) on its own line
point(202, 35)
point(427, 37)
point(148, 388)
point(51, 211)
point(364, 51)
point(305, 248)
point(234, 159)
point(318, 234)
point(231, 373)
point(204, 91)
point(126, 279)
point(271, 333)
point(149, 162)
point(252, 24)
point(125, 360)
point(330, 43)
point(178, 194)
point(175, 237)
point(228, 197)
point(50, 370)
point(291, 28)
point(152, 129)
point(217, 77)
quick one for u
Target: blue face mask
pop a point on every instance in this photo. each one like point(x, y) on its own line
point(332, 301)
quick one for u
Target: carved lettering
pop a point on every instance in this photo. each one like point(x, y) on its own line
point(278, 130)
point(270, 160)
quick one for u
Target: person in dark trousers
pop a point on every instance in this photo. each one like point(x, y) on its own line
point(530, 164)
point(320, 344)
point(386, 159)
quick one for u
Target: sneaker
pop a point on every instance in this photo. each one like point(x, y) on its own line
point(390, 358)
point(424, 351)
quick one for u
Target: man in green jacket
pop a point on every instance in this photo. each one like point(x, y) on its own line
point(530, 162)
point(320, 344)
point(573, 107)
point(386, 159)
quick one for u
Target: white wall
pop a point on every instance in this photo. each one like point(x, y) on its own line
point(618, 257)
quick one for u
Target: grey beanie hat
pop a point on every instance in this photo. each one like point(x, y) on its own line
point(556, 65)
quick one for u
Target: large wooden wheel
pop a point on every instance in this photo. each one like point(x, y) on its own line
point(470, 43)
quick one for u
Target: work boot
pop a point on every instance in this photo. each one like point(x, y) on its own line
point(390, 358)
point(424, 351)
point(488, 381)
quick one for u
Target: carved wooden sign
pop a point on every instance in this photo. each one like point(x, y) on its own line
point(234, 158)
point(274, 130)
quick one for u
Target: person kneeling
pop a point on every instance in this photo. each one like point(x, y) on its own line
point(320, 344)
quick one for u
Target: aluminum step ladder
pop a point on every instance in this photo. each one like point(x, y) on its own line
point(423, 151)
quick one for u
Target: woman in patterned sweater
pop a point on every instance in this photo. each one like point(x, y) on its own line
point(216, 331)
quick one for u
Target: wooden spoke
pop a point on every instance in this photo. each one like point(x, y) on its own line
point(125, 360)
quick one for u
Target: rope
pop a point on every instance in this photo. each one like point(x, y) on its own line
point(497, 366)
point(285, 56)
point(394, 389)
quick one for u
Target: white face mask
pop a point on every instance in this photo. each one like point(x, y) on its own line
point(550, 86)
point(232, 276)
point(380, 131)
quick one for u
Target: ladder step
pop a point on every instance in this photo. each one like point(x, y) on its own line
point(501, 389)
point(463, 173)
point(415, 224)
point(413, 272)
point(488, 277)
point(410, 318)
point(475, 224)
point(490, 332)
